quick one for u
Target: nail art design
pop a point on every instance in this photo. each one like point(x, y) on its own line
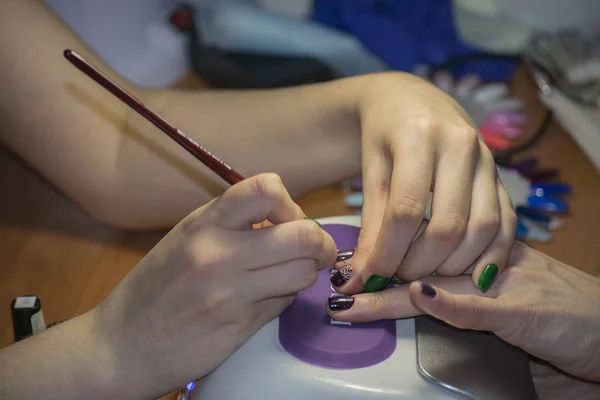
point(340, 277)
point(375, 283)
point(487, 277)
point(427, 290)
point(340, 302)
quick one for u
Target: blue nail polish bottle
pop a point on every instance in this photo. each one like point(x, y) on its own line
point(550, 204)
point(550, 189)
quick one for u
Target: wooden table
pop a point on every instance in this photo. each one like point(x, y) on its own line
point(52, 249)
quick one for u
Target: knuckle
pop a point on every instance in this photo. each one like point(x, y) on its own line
point(205, 257)
point(219, 300)
point(451, 229)
point(467, 135)
point(268, 186)
point(407, 208)
point(488, 225)
point(310, 238)
point(423, 126)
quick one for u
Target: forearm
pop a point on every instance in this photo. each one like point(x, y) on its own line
point(122, 169)
point(69, 361)
point(310, 136)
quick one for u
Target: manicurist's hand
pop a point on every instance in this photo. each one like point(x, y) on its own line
point(205, 288)
point(417, 139)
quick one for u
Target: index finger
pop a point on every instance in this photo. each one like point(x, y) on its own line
point(407, 203)
point(396, 303)
point(259, 198)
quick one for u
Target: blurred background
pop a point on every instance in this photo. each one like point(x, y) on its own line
point(527, 72)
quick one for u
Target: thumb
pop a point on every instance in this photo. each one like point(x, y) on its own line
point(464, 311)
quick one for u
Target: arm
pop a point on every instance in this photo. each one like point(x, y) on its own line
point(195, 298)
point(123, 170)
point(405, 135)
point(71, 360)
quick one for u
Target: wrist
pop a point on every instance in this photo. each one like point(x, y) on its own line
point(95, 360)
point(70, 360)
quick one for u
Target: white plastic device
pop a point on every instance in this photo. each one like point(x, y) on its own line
point(261, 369)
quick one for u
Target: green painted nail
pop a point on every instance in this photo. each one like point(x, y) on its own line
point(375, 283)
point(487, 277)
point(314, 220)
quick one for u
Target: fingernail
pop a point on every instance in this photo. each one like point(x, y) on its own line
point(340, 302)
point(375, 283)
point(341, 276)
point(314, 220)
point(428, 290)
point(487, 277)
point(343, 255)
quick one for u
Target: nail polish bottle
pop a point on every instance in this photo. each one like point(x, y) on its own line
point(27, 317)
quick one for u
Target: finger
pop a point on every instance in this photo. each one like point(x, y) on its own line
point(484, 219)
point(450, 209)
point(280, 280)
point(464, 311)
point(254, 200)
point(346, 271)
point(494, 259)
point(406, 206)
point(395, 303)
point(376, 181)
point(276, 244)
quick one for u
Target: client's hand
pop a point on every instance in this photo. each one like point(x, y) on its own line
point(416, 139)
point(545, 307)
point(210, 284)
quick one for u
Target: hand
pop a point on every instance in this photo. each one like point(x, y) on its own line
point(416, 139)
point(545, 307)
point(553, 384)
point(210, 284)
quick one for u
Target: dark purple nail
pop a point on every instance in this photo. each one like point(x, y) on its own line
point(341, 276)
point(428, 290)
point(340, 302)
point(343, 255)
